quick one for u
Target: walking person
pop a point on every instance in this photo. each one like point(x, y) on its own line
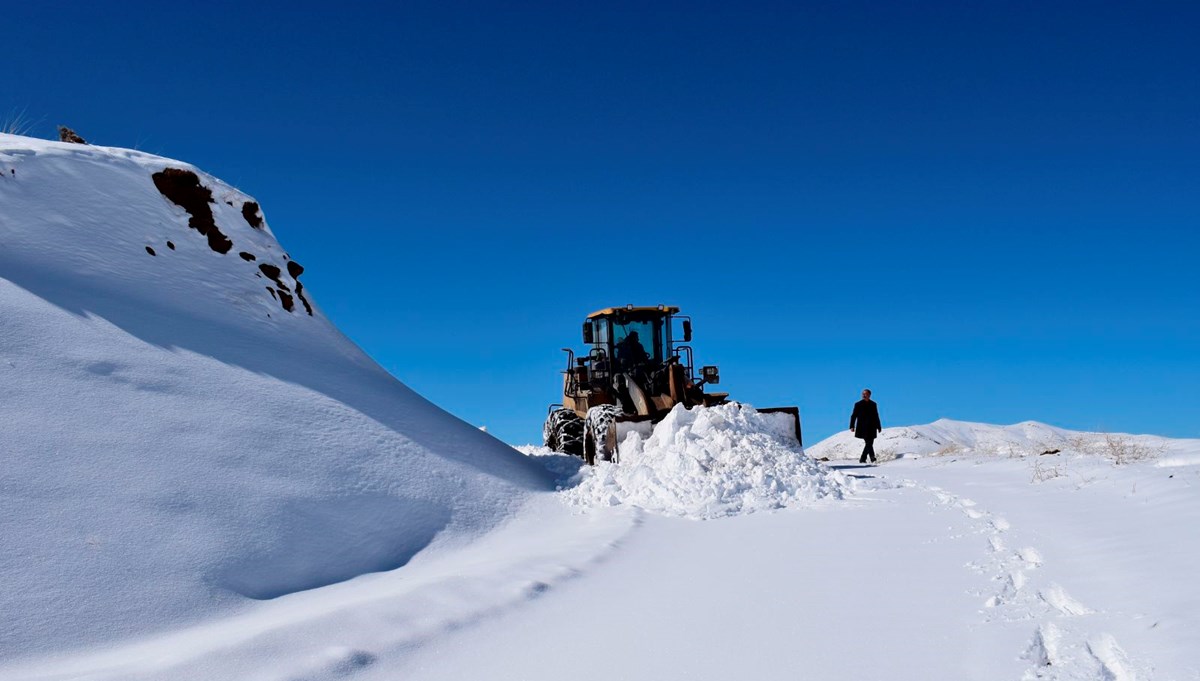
point(866, 425)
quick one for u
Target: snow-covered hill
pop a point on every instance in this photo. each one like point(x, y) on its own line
point(945, 437)
point(182, 431)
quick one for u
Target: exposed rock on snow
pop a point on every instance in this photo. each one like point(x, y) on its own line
point(68, 135)
point(250, 211)
point(183, 188)
point(707, 463)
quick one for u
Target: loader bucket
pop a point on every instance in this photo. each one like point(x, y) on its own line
point(788, 415)
point(629, 423)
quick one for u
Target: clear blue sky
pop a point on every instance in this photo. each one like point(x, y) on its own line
point(983, 211)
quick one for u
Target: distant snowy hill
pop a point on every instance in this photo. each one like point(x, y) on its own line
point(182, 430)
point(946, 437)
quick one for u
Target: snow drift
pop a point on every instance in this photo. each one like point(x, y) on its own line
point(708, 463)
point(182, 430)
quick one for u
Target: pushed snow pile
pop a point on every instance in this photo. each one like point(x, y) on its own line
point(945, 437)
point(707, 463)
point(183, 432)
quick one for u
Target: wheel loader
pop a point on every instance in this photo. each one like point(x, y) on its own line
point(637, 367)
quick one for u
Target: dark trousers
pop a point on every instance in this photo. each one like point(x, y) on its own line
point(868, 450)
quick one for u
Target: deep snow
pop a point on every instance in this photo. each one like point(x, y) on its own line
point(176, 445)
point(978, 563)
point(198, 483)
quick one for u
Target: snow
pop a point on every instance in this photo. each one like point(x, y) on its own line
point(176, 445)
point(710, 462)
point(1030, 438)
point(363, 623)
point(200, 484)
point(951, 567)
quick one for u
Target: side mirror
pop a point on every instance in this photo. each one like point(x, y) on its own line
point(687, 331)
point(710, 374)
point(587, 333)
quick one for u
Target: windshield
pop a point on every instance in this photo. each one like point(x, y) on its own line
point(637, 342)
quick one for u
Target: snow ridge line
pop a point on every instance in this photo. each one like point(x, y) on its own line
point(1061, 647)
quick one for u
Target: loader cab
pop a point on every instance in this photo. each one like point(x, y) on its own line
point(625, 338)
point(637, 358)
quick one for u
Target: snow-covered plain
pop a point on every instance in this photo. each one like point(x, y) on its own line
point(198, 483)
point(962, 563)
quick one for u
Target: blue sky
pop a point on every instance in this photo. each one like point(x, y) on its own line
point(983, 211)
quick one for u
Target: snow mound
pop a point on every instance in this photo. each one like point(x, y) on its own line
point(946, 437)
point(707, 463)
point(183, 432)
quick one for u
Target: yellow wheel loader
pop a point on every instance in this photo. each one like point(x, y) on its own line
point(638, 366)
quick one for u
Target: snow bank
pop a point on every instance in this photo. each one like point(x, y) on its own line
point(183, 432)
point(946, 437)
point(707, 463)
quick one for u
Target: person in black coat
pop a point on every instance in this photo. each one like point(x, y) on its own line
point(866, 425)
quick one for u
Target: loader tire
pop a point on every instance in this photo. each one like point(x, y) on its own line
point(598, 429)
point(563, 432)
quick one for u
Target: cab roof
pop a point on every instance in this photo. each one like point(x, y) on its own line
point(664, 309)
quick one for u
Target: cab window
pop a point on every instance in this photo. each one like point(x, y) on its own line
point(637, 341)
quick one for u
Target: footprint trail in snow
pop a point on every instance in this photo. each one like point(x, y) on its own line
point(1062, 646)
